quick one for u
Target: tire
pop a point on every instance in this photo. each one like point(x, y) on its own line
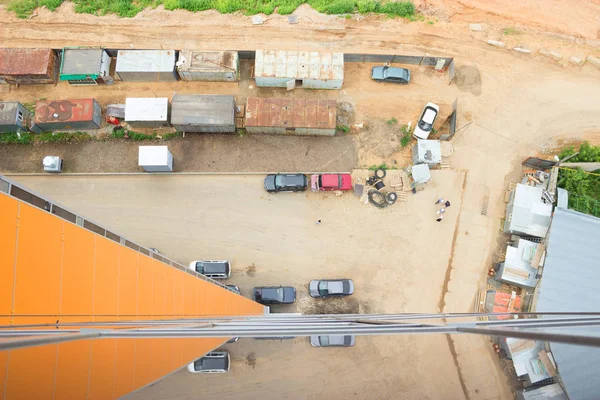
point(380, 173)
point(377, 198)
point(391, 198)
point(379, 185)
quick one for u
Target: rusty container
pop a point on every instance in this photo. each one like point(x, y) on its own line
point(28, 66)
point(71, 114)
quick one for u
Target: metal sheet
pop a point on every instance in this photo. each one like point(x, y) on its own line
point(298, 65)
point(28, 66)
point(215, 112)
point(81, 61)
point(67, 114)
point(288, 113)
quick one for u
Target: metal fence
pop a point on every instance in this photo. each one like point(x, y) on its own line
point(395, 58)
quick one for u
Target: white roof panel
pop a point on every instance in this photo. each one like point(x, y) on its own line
point(153, 156)
point(146, 109)
point(299, 65)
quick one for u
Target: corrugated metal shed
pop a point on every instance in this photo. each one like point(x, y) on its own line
point(84, 63)
point(319, 70)
point(571, 282)
point(302, 116)
point(14, 117)
point(203, 113)
point(146, 65)
point(69, 114)
point(195, 65)
point(147, 111)
point(28, 66)
point(526, 213)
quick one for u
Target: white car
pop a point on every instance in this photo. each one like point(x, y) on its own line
point(216, 269)
point(212, 363)
point(426, 121)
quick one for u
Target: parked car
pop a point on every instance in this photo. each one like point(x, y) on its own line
point(331, 287)
point(390, 74)
point(286, 183)
point(332, 341)
point(234, 288)
point(275, 338)
point(426, 121)
point(154, 250)
point(233, 340)
point(330, 182)
point(212, 363)
point(219, 269)
point(274, 294)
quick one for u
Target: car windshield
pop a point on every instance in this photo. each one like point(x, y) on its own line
point(324, 340)
point(385, 72)
point(200, 267)
point(278, 180)
point(323, 288)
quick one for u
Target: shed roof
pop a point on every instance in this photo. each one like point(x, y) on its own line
point(429, 151)
point(8, 113)
point(517, 266)
point(145, 60)
point(48, 111)
point(571, 282)
point(146, 109)
point(204, 61)
point(25, 61)
point(81, 61)
point(530, 214)
point(299, 64)
point(290, 113)
point(202, 109)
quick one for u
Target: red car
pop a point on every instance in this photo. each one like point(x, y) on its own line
point(331, 182)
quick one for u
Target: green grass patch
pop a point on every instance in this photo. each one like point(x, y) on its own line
point(50, 137)
point(130, 8)
point(342, 128)
point(382, 166)
point(392, 121)
point(511, 31)
point(13, 138)
point(169, 136)
point(406, 135)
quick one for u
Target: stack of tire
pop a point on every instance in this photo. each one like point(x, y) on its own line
point(377, 197)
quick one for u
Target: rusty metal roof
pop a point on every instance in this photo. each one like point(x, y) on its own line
point(290, 113)
point(299, 64)
point(64, 110)
point(25, 61)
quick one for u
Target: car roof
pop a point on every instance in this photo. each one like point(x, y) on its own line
point(335, 287)
point(397, 72)
point(293, 179)
point(330, 179)
point(429, 115)
point(269, 292)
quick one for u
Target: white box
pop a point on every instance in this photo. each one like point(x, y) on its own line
point(155, 159)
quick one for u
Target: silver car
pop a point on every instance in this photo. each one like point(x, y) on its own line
point(212, 363)
point(331, 287)
point(332, 341)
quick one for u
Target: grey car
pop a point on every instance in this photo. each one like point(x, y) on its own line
point(212, 363)
point(235, 288)
point(331, 287)
point(332, 341)
point(274, 294)
point(286, 183)
point(390, 74)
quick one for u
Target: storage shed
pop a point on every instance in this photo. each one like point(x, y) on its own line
point(527, 213)
point(14, 117)
point(155, 159)
point(203, 113)
point(427, 152)
point(147, 112)
point(519, 267)
point(85, 66)
point(146, 65)
point(28, 66)
point(193, 65)
point(72, 114)
point(291, 116)
point(307, 69)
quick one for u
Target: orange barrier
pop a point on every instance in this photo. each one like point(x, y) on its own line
point(53, 271)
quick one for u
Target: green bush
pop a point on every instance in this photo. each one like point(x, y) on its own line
point(392, 121)
point(169, 136)
point(587, 153)
point(343, 128)
point(49, 137)
point(367, 6)
point(13, 138)
point(402, 9)
point(138, 137)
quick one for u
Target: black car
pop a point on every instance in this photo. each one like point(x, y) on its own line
point(274, 294)
point(390, 74)
point(286, 183)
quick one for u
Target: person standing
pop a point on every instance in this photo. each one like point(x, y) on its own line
point(441, 211)
point(440, 201)
point(447, 204)
point(440, 218)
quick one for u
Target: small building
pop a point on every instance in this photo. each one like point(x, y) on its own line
point(146, 65)
point(85, 66)
point(72, 114)
point(306, 69)
point(527, 213)
point(207, 113)
point(548, 392)
point(155, 159)
point(147, 112)
point(193, 65)
point(291, 116)
point(14, 117)
point(420, 174)
point(531, 359)
point(520, 266)
point(28, 66)
point(427, 152)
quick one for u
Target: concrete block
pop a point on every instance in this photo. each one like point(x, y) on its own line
point(575, 60)
point(476, 27)
point(593, 60)
point(522, 50)
point(496, 43)
point(552, 54)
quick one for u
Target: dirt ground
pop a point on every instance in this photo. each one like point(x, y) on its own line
point(510, 106)
point(397, 258)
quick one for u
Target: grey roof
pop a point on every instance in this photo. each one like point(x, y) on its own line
point(202, 110)
point(530, 215)
point(145, 61)
point(324, 65)
point(549, 392)
point(571, 282)
point(81, 61)
point(8, 113)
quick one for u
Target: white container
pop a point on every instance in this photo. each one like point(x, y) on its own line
point(147, 112)
point(155, 159)
point(146, 65)
point(52, 164)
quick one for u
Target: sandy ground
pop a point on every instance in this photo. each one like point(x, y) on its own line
point(397, 258)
